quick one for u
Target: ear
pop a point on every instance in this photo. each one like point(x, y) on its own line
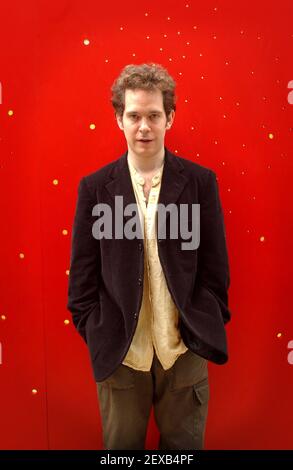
point(170, 119)
point(119, 122)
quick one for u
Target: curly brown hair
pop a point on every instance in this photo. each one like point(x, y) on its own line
point(149, 76)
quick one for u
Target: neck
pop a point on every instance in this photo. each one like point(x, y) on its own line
point(146, 163)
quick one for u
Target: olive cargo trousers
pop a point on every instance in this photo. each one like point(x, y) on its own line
point(179, 396)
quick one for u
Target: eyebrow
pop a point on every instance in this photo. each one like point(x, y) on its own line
point(150, 112)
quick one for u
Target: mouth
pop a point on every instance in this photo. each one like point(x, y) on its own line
point(144, 141)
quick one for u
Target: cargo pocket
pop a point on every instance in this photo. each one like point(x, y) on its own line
point(201, 392)
point(189, 369)
point(121, 379)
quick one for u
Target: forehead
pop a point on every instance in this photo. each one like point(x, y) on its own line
point(139, 100)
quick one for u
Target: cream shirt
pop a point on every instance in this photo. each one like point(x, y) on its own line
point(157, 326)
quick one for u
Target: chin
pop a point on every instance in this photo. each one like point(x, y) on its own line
point(139, 149)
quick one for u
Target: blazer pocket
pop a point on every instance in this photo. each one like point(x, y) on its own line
point(93, 338)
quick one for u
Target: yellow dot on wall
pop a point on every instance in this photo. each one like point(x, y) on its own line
point(262, 238)
point(86, 42)
point(271, 136)
point(55, 182)
point(66, 322)
point(146, 14)
point(279, 335)
point(121, 28)
point(64, 232)
point(67, 272)
point(10, 112)
point(92, 126)
point(21, 255)
point(34, 391)
point(3, 317)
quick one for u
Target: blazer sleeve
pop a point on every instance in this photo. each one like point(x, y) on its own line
point(84, 275)
point(213, 272)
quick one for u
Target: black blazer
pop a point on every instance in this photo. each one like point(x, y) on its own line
point(106, 276)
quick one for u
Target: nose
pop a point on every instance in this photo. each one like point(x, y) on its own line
point(144, 125)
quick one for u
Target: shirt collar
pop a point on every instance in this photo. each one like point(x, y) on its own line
point(156, 179)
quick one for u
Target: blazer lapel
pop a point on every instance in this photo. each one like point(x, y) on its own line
point(172, 185)
point(120, 182)
point(173, 179)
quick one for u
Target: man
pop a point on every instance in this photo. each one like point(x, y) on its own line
point(152, 313)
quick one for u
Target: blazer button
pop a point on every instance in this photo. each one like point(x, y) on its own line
point(140, 246)
point(135, 315)
point(140, 281)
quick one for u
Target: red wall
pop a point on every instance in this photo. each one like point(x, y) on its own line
point(232, 62)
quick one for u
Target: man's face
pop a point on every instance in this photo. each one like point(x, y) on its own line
point(144, 121)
